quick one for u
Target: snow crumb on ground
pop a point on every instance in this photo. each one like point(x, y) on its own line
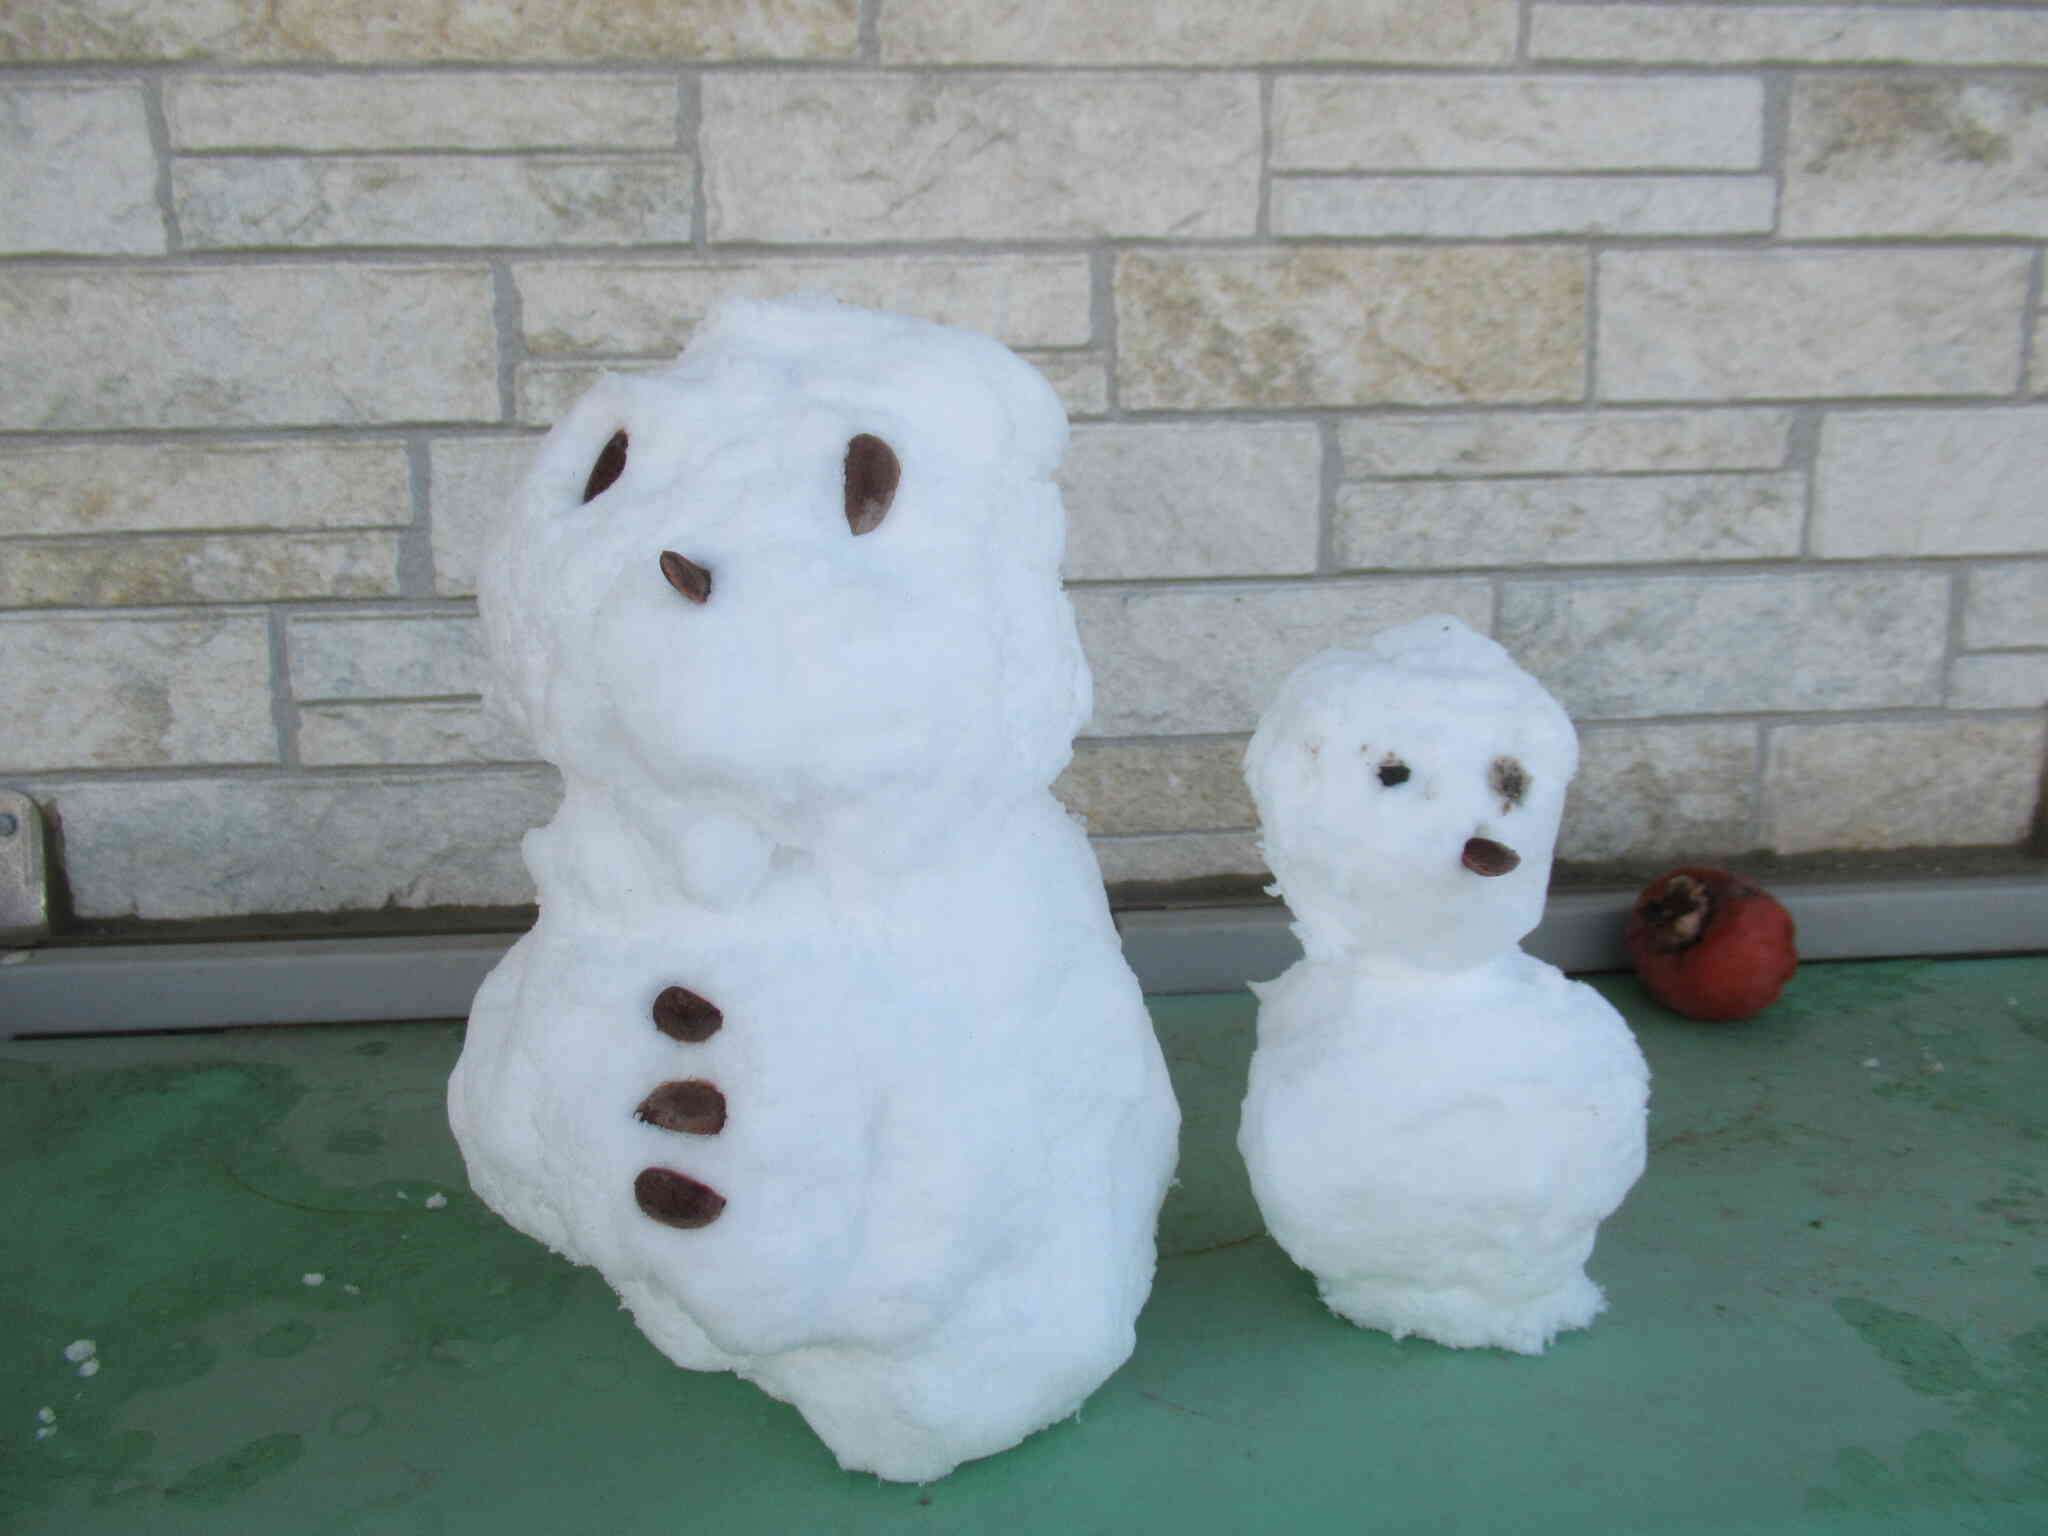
point(80, 1349)
point(436, 1201)
point(313, 1277)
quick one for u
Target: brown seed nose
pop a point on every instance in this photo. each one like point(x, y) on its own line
point(1483, 856)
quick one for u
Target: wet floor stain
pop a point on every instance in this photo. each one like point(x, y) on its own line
point(2021, 1204)
point(285, 1340)
point(355, 1421)
point(174, 1217)
point(1998, 1453)
point(224, 1479)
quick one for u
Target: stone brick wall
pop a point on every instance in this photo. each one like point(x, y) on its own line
point(1696, 351)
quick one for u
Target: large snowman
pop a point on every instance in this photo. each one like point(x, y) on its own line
point(1437, 1122)
point(823, 1049)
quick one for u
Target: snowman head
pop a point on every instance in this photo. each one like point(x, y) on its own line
point(1409, 796)
point(809, 576)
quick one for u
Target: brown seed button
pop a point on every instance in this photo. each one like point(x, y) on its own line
point(695, 1108)
point(683, 1015)
point(686, 576)
point(675, 1199)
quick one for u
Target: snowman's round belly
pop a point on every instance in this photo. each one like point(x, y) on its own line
point(785, 1139)
point(1396, 1176)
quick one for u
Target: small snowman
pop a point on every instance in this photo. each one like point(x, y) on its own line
point(823, 1049)
point(1437, 1123)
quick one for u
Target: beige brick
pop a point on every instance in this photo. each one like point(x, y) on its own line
point(1206, 660)
point(1180, 857)
point(1698, 645)
point(253, 345)
point(1932, 483)
point(1138, 787)
point(134, 692)
point(1634, 519)
point(1885, 155)
point(544, 392)
point(385, 656)
point(1744, 325)
point(621, 308)
point(471, 482)
point(210, 847)
point(1222, 500)
point(2007, 605)
point(1529, 123)
point(1813, 34)
point(77, 172)
point(197, 568)
point(2009, 680)
point(980, 157)
point(491, 110)
point(1198, 32)
point(54, 31)
point(1348, 325)
point(228, 201)
point(1080, 379)
point(442, 731)
point(1502, 207)
point(1901, 784)
point(177, 487)
point(430, 31)
point(1662, 792)
point(1563, 442)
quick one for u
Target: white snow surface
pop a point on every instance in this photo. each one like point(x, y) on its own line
point(819, 800)
point(1436, 1123)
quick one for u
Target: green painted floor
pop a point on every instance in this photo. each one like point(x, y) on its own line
point(1829, 1314)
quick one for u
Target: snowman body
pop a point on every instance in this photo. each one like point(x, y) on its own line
point(823, 1049)
point(1436, 1123)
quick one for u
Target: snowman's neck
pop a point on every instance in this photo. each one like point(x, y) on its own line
point(1399, 970)
point(606, 851)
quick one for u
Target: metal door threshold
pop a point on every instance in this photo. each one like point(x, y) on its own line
point(118, 989)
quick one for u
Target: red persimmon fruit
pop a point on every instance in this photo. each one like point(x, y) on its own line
point(1711, 945)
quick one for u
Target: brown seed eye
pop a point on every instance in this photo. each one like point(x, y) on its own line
point(872, 475)
point(611, 463)
point(1510, 780)
point(1393, 771)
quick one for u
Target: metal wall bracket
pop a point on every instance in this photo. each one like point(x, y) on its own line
point(24, 873)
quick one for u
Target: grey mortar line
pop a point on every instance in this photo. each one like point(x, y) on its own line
point(1262, 215)
point(284, 708)
point(2033, 320)
point(416, 538)
point(690, 141)
point(159, 126)
point(1102, 325)
point(506, 321)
